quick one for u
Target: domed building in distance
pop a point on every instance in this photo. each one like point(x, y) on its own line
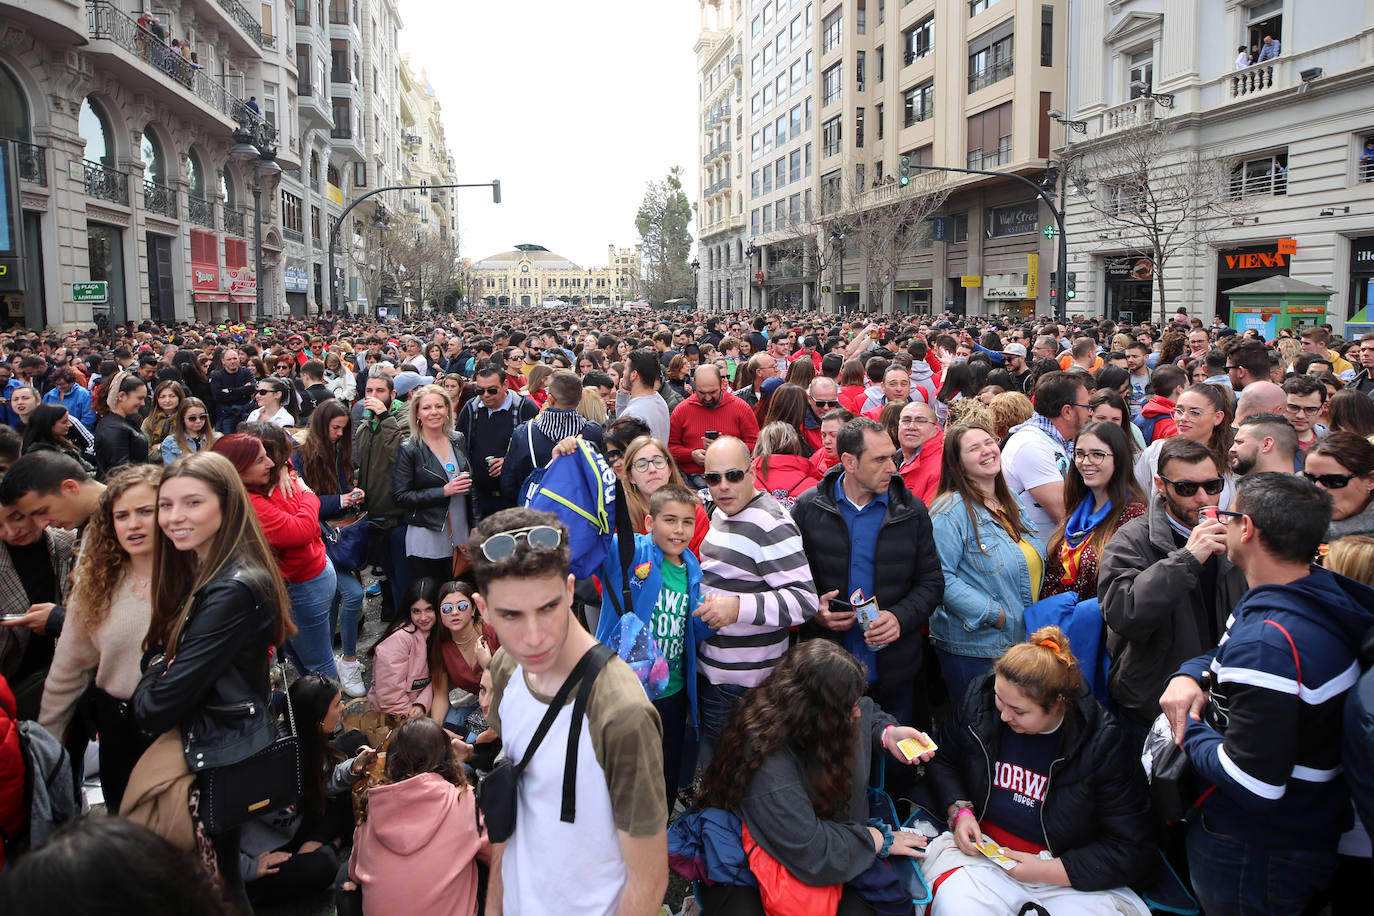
point(531, 274)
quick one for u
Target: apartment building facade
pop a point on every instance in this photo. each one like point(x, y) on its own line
point(839, 91)
point(722, 281)
point(1295, 132)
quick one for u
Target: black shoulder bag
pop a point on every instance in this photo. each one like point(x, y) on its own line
point(498, 794)
point(266, 781)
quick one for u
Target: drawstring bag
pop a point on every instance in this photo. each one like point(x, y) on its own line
point(633, 642)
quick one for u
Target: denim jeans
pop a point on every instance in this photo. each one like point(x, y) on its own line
point(396, 566)
point(961, 670)
point(345, 610)
point(1234, 878)
point(455, 720)
point(312, 648)
point(714, 702)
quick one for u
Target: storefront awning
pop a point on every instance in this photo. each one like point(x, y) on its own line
point(216, 296)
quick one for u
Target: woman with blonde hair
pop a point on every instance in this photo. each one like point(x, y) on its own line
point(1353, 556)
point(219, 607)
point(191, 431)
point(339, 378)
point(1008, 409)
point(108, 612)
point(432, 482)
point(593, 406)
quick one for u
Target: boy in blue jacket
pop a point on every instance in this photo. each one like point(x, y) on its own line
point(665, 585)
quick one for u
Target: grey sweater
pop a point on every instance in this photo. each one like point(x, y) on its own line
point(778, 812)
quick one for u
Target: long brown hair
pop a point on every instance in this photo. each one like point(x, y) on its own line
point(806, 706)
point(179, 426)
point(177, 574)
point(954, 481)
point(321, 459)
point(638, 502)
point(102, 558)
point(1122, 489)
point(1223, 434)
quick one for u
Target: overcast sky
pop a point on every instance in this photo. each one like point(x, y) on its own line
point(574, 107)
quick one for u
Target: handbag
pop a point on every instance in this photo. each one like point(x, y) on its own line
point(266, 781)
point(630, 638)
point(346, 541)
point(498, 793)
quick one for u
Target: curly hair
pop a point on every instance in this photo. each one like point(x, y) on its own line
point(806, 706)
point(102, 558)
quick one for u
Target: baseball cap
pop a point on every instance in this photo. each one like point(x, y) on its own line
point(406, 382)
point(1015, 349)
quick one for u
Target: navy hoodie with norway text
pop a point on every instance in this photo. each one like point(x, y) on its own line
point(1271, 738)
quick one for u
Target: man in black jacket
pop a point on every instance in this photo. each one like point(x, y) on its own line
point(232, 388)
point(532, 442)
point(488, 421)
point(862, 529)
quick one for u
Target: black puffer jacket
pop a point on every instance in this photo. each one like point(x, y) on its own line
point(1096, 812)
point(217, 692)
point(419, 479)
point(908, 580)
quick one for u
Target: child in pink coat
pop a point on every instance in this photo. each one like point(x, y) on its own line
point(417, 850)
point(400, 668)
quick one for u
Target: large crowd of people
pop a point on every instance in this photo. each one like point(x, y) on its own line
point(657, 587)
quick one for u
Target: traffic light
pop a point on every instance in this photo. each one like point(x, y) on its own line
point(1054, 284)
point(904, 171)
point(1071, 290)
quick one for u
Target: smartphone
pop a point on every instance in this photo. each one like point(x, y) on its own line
point(840, 607)
point(1208, 512)
point(711, 435)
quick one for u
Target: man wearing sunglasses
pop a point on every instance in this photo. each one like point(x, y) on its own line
point(1261, 715)
point(756, 585)
point(822, 396)
point(615, 852)
point(1165, 584)
point(488, 421)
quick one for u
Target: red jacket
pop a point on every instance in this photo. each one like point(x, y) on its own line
point(13, 815)
point(822, 462)
point(292, 527)
point(789, 476)
point(922, 473)
point(1160, 409)
point(851, 398)
point(690, 421)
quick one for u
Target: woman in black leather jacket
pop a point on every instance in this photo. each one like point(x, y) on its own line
point(118, 438)
point(1031, 761)
point(219, 606)
point(432, 482)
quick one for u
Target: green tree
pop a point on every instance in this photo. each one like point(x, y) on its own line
point(663, 221)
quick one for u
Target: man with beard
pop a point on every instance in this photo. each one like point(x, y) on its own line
point(1264, 442)
point(1166, 587)
point(710, 409)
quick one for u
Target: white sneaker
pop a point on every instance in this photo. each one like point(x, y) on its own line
point(351, 677)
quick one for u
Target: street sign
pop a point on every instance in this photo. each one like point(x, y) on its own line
point(92, 291)
point(1049, 232)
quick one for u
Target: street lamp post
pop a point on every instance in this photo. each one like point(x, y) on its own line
point(255, 139)
point(495, 186)
point(749, 251)
point(837, 236)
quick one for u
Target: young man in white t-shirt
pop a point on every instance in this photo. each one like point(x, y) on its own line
point(614, 857)
point(1036, 457)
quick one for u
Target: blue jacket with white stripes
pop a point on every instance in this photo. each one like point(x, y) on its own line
point(1271, 736)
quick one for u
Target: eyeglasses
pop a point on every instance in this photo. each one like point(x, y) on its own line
point(195, 416)
point(502, 545)
point(1234, 368)
point(1193, 412)
point(713, 478)
point(1331, 481)
point(1219, 514)
point(453, 608)
point(1188, 488)
point(1084, 406)
point(1090, 457)
point(490, 392)
point(643, 464)
point(613, 455)
point(827, 405)
point(1304, 409)
point(914, 421)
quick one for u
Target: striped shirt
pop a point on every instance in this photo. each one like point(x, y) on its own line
point(757, 556)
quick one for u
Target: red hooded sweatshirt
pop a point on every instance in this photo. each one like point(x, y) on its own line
point(788, 477)
point(690, 422)
point(1162, 408)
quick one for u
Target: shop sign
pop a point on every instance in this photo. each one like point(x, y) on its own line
point(1258, 261)
point(1288, 246)
point(1005, 292)
point(334, 193)
point(204, 278)
point(1016, 219)
point(1362, 255)
point(1130, 270)
point(297, 279)
point(968, 282)
point(242, 281)
point(1032, 275)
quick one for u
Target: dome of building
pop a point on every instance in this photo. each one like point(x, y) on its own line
point(533, 253)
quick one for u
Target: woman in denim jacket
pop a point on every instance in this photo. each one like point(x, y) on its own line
point(992, 564)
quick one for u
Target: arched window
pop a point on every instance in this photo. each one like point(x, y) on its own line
point(14, 109)
point(226, 188)
point(95, 130)
point(154, 163)
point(314, 170)
point(195, 173)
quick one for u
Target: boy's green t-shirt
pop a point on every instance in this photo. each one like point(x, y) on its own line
point(669, 623)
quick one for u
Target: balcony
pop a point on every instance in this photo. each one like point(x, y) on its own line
point(1365, 171)
point(1130, 114)
point(105, 184)
point(200, 211)
point(243, 19)
point(233, 221)
point(723, 184)
point(1264, 184)
point(144, 64)
point(1253, 80)
point(293, 235)
point(159, 199)
point(33, 162)
point(315, 109)
point(981, 79)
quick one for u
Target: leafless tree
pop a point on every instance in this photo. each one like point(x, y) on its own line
point(886, 225)
point(387, 259)
point(1161, 196)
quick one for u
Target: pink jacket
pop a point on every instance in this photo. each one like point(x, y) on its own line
point(400, 673)
point(417, 850)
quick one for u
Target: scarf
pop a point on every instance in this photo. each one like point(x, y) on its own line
point(1079, 525)
point(1045, 426)
point(559, 423)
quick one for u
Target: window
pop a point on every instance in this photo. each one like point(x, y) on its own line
point(1140, 72)
point(754, 222)
point(780, 173)
point(989, 137)
point(768, 138)
point(919, 40)
point(794, 119)
point(977, 6)
point(767, 15)
point(315, 225)
point(832, 31)
point(795, 29)
point(859, 62)
point(806, 203)
point(794, 172)
point(807, 107)
point(831, 185)
point(989, 63)
point(754, 146)
point(832, 84)
point(1047, 36)
point(796, 73)
point(808, 67)
point(806, 156)
point(882, 17)
point(755, 66)
point(831, 134)
point(754, 184)
point(960, 228)
point(1261, 19)
point(767, 179)
point(879, 112)
point(1126, 197)
point(808, 20)
point(780, 46)
point(879, 63)
point(767, 56)
point(754, 105)
point(235, 253)
point(291, 217)
point(794, 209)
point(860, 17)
point(767, 217)
point(918, 104)
point(1013, 219)
point(1364, 170)
point(780, 88)
point(858, 129)
point(360, 174)
point(1263, 176)
point(767, 97)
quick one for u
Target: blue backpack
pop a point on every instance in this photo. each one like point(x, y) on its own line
point(581, 489)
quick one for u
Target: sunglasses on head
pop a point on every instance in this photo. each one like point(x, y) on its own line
point(713, 478)
point(502, 545)
point(1331, 481)
point(1186, 488)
